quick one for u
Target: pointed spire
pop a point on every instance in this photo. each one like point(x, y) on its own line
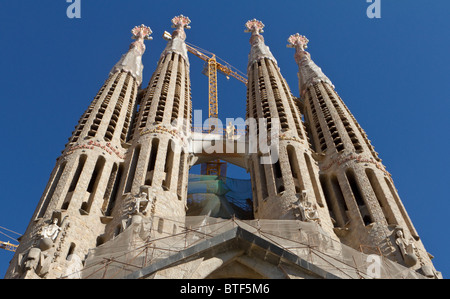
point(132, 60)
point(258, 50)
point(176, 42)
point(308, 72)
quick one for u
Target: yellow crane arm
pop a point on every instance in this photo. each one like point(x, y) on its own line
point(220, 67)
point(213, 67)
point(8, 246)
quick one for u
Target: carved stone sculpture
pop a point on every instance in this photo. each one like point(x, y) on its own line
point(230, 130)
point(308, 210)
point(406, 248)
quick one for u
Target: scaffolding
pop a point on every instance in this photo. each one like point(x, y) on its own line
point(143, 252)
point(219, 197)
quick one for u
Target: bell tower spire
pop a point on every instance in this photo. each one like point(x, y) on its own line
point(285, 181)
point(82, 187)
point(132, 61)
point(157, 162)
point(360, 193)
point(258, 49)
point(309, 72)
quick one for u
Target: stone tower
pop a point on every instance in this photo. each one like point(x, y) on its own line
point(286, 182)
point(366, 210)
point(115, 205)
point(156, 169)
point(68, 219)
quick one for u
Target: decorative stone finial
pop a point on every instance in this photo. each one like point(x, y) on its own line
point(181, 22)
point(176, 43)
point(258, 50)
point(142, 32)
point(254, 26)
point(309, 73)
point(132, 61)
point(300, 42)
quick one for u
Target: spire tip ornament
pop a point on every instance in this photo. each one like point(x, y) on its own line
point(141, 32)
point(181, 22)
point(309, 72)
point(132, 61)
point(298, 41)
point(254, 26)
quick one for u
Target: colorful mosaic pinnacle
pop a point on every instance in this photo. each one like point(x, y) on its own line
point(142, 32)
point(298, 41)
point(181, 22)
point(254, 26)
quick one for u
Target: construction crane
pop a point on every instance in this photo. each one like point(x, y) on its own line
point(212, 66)
point(8, 245)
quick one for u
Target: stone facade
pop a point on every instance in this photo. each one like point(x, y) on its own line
point(122, 180)
point(366, 210)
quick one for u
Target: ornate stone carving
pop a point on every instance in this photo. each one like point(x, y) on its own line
point(308, 210)
point(407, 249)
point(309, 72)
point(176, 43)
point(132, 61)
point(50, 231)
point(258, 50)
point(230, 131)
point(180, 23)
point(34, 260)
point(141, 204)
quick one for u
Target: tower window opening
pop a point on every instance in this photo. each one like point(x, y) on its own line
point(340, 204)
point(181, 176)
point(51, 190)
point(152, 162)
point(332, 207)
point(77, 174)
point(295, 169)
point(71, 250)
point(73, 184)
point(313, 180)
point(262, 174)
point(168, 166)
point(93, 184)
point(379, 194)
point(357, 194)
point(132, 170)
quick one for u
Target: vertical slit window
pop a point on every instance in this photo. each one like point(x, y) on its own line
point(52, 189)
point(181, 176)
point(341, 205)
point(262, 174)
point(376, 187)
point(402, 209)
point(357, 194)
point(295, 169)
point(331, 206)
point(132, 171)
point(312, 176)
point(168, 166)
point(71, 251)
point(113, 197)
point(152, 162)
point(77, 174)
point(74, 183)
point(93, 184)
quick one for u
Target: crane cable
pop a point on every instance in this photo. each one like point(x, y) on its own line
point(1, 227)
point(217, 57)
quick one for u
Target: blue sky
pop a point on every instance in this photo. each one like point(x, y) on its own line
point(392, 72)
